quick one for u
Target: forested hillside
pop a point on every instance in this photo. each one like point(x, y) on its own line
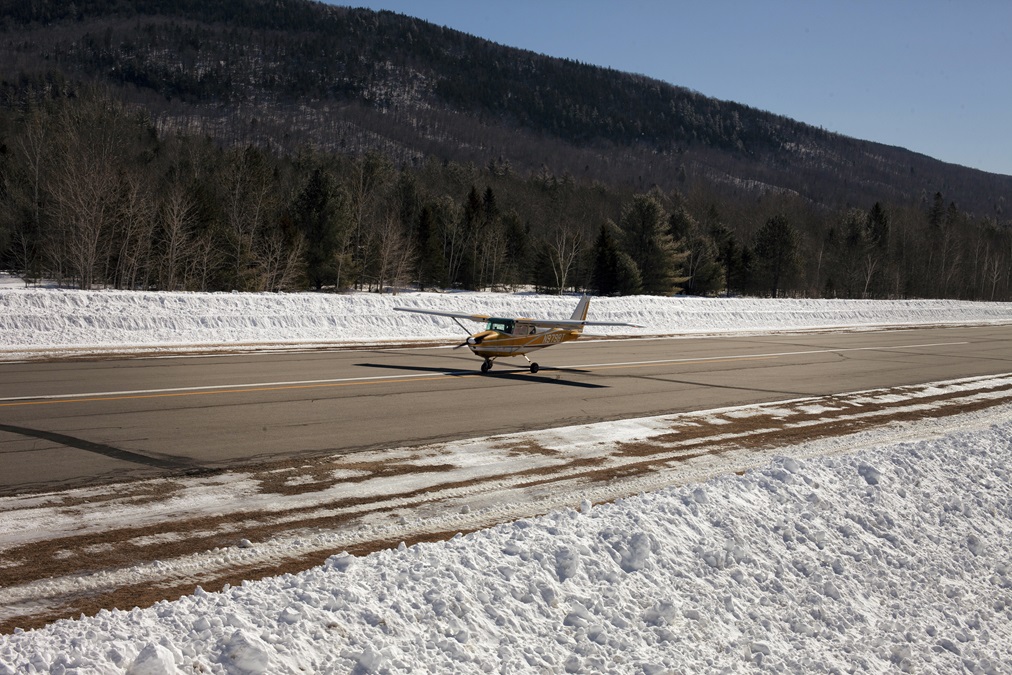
point(286, 144)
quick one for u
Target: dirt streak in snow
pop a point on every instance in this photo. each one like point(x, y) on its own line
point(80, 551)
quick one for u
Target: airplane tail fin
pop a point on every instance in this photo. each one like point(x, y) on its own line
point(580, 314)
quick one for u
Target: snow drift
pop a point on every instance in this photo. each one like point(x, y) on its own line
point(893, 560)
point(34, 320)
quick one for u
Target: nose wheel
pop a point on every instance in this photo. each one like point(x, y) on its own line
point(486, 365)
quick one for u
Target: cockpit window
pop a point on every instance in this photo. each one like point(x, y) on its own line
point(501, 325)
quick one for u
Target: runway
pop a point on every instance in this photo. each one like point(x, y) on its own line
point(75, 423)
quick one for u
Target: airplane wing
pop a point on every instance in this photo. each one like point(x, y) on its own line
point(480, 318)
point(568, 324)
point(574, 323)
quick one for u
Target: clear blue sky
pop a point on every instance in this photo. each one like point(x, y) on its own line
point(933, 76)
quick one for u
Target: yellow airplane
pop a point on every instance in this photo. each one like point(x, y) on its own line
point(518, 337)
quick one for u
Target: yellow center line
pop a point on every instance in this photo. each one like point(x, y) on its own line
point(179, 394)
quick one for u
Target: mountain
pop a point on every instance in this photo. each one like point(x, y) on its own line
point(293, 73)
point(286, 144)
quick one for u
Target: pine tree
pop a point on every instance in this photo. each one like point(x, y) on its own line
point(878, 226)
point(431, 262)
point(613, 272)
point(315, 214)
point(777, 254)
point(651, 246)
point(728, 255)
point(518, 248)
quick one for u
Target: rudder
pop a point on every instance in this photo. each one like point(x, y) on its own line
point(580, 314)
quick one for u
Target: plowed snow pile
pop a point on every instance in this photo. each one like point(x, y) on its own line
point(896, 559)
point(37, 322)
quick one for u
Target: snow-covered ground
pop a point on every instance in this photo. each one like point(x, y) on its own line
point(896, 559)
point(873, 557)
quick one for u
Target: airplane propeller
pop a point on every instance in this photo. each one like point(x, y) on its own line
point(471, 341)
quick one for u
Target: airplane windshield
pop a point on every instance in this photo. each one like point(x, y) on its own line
point(501, 325)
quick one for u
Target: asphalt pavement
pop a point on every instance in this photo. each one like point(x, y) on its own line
point(74, 423)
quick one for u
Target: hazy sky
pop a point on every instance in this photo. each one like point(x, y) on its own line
point(933, 76)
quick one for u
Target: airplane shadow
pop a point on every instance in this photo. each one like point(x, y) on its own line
point(517, 375)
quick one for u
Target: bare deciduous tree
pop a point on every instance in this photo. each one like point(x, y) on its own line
point(280, 262)
point(370, 175)
point(564, 245)
point(175, 241)
point(85, 191)
point(135, 226)
point(248, 198)
point(395, 255)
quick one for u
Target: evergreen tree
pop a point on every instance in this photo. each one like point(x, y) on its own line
point(431, 262)
point(488, 205)
point(315, 214)
point(409, 202)
point(613, 272)
point(937, 211)
point(878, 226)
point(651, 246)
point(473, 217)
point(518, 248)
point(604, 272)
point(728, 255)
point(777, 254)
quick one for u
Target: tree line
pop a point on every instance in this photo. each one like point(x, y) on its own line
point(91, 195)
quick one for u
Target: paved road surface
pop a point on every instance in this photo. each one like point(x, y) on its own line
point(74, 423)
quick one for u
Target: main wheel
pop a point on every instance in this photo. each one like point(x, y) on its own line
point(534, 367)
point(485, 366)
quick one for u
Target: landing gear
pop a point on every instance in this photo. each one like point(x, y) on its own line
point(486, 365)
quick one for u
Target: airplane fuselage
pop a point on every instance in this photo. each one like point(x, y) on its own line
point(492, 344)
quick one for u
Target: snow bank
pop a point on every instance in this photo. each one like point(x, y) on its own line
point(896, 559)
point(36, 319)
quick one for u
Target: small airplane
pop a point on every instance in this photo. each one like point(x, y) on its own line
point(504, 337)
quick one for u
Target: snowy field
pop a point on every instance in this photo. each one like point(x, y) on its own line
point(869, 557)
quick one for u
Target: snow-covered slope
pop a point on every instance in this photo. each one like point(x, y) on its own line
point(896, 560)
